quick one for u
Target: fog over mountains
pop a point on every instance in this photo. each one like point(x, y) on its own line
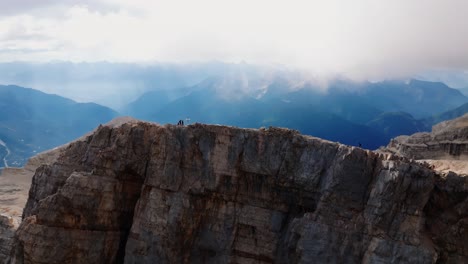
point(117, 84)
point(219, 131)
point(355, 113)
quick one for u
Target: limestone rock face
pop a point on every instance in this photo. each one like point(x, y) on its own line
point(447, 141)
point(8, 226)
point(144, 193)
point(14, 187)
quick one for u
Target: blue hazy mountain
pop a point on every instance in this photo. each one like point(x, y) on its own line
point(448, 115)
point(118, 84)
point(243, 95)
point(112, 84)
point(32, 121)
point(206, 107)
point(393, 124)
point(349, 112)
point(419, 98)
point(145, 106)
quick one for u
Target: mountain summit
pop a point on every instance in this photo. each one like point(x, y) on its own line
point(139, 192)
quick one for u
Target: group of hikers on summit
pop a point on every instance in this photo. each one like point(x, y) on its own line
point(181, 121)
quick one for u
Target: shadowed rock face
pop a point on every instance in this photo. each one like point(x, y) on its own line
point(143, 193)
point(14, 186)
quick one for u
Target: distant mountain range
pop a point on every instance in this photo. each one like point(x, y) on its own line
point(110, 84)
point(366, 114)
point(32, 121)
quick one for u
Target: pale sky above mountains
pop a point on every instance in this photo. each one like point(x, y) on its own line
point(359, 39)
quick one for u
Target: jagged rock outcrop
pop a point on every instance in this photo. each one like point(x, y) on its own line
point(14, 187)
point(144, 193)
point(8, 226)
point(446, 166)
point(447, 141)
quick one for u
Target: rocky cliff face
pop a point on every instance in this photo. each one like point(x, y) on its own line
point(14, 187)
point(144, 193)
point(448, 140)
point(8, 226)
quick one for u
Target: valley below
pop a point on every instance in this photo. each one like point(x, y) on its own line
point(6, 152)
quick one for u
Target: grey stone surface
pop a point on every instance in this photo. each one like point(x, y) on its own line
point(447, 141)
point(8, 226)
point(144, 193)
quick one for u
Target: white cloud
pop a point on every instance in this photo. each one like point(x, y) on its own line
point(361, 39)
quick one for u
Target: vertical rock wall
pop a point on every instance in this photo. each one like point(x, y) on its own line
point(143, 193)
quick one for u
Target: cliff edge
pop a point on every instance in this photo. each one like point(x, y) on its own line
point(448, 140)
point(142, 193)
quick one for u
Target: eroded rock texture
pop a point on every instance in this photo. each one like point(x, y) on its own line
point(14, 187)
point(447, 141)
point(143, 193)
point(8, 226)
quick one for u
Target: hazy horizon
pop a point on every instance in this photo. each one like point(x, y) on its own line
point(361, 40)
point(117, 84)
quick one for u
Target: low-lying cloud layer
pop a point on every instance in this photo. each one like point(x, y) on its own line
point(364, 39)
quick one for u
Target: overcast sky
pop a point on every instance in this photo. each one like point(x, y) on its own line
point(359, 38)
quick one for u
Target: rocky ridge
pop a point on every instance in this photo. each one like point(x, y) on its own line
point(447, 141)
point(14, 188)
point(142, 193)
